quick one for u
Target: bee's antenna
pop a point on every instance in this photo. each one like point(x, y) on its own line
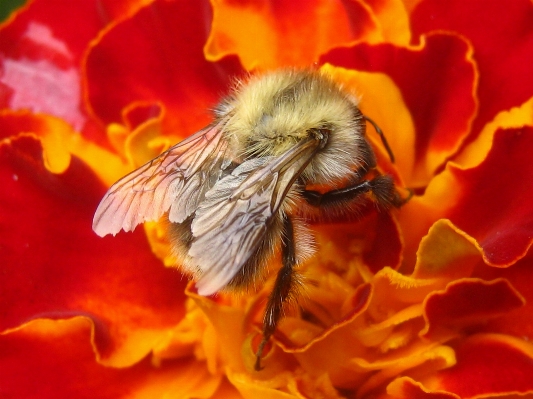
point(383, 138)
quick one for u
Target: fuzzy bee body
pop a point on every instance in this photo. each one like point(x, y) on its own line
point(232, 192)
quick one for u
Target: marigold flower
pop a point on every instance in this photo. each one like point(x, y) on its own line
point(430, 301)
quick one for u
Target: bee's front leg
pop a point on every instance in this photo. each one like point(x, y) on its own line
point(282, 290)
point(381, 187)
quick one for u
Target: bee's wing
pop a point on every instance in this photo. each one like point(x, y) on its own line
point(187, 170)
point(236, 213)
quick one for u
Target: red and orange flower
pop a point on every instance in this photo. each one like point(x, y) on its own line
point(431, 301)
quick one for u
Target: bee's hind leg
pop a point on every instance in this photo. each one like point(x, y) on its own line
point(282, 290)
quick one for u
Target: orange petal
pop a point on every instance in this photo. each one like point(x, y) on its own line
point(417, 359)
point(407, 388)
point(251, 388)
point(446, 254)
point(393, 20)
point(58, 359)
point(223, 345)
point(269, 35)
point(331, 350)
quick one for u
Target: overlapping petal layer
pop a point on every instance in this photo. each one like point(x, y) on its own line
point(442, 113)
point(487, 364)
point(429, 301)
point(55, 267)
point(501, 35)
point(266, 36)
point(41, 52)
point(58, 359)
point(470, 197)
point(172, 70)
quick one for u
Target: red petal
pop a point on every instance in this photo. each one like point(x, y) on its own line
point(442, 58)
point(41, 51)
point(385, 245)
point(488, 365)
point(493, 207)
point(502, 37)
point(520, 321)
point(468, 302)
point(55, 359)
point(488, 202)
point(55, 266)
point(157, 55)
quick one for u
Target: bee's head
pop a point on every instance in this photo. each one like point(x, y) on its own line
point(272, 112)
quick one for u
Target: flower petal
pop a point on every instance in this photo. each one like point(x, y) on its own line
point(466, 303)
point(269, 35)
point(476, 151)
point(56, 358)
point(428, 358)
point(41, 50)
point(156, 56)
point(62, 268)
point(520, 321)
point(226, 336)
point(487, 365)
point(445, 58)
point(502, 36)
point(445, 254)
point(407, 388)
point(472, 199)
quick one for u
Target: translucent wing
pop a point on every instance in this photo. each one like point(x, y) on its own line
point(186, 171)
point(233, 218)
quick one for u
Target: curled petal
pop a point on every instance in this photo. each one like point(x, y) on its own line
point(57, 358)
point(503, 59)
point(425, 359)
point(62, 268)
point(445, 58)
point(156, 56)
point(267, 35)
point(487, 365)
point(223, 345)
point(329, 351)
point(472, 199)
point(467, 303)
point(518, 322)
point(476, 151)
point(446, 254)
point(40, 52)
point(407, 388)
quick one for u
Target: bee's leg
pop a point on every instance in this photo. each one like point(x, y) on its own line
point(381, 187)
point(282, 288)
